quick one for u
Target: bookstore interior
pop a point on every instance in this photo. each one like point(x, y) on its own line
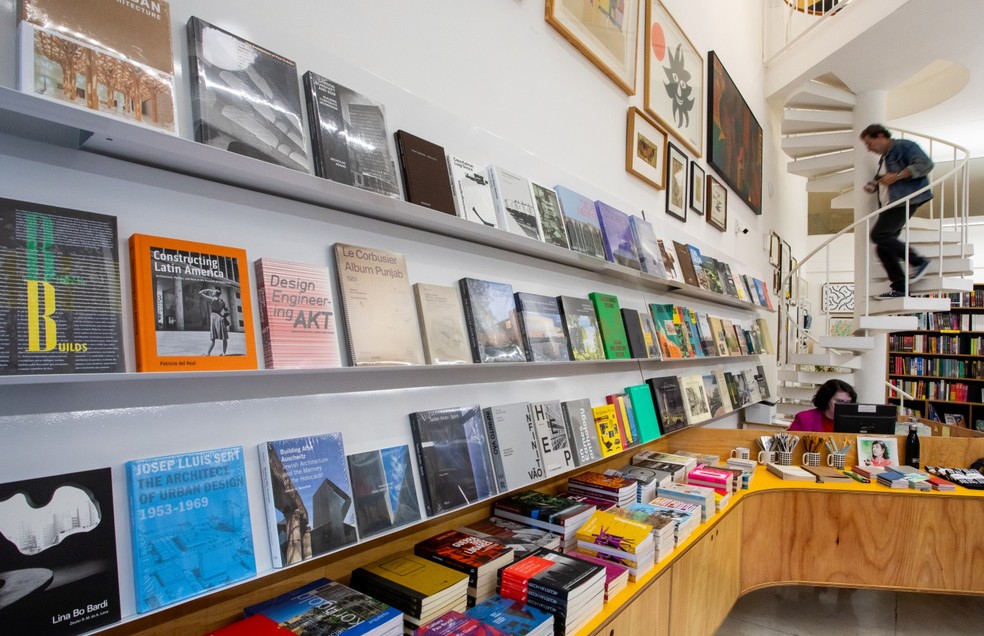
point(292, 344)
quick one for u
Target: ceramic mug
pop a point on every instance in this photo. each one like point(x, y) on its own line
point(811, 459)
point(766, 457)
point(740, 453)
point(836, 460)
point(785, 458)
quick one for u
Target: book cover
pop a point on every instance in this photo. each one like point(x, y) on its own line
point(711, 269)
point(650, 336)
point(695, 399)
point(60, 304)
point(472, 192)
point(648, 247)
point(513, 445)
point(511, 616)
point(681, 318)
point(453, 457)
point(192, 307)
point(706, 334)
point(666, 332)
point(616, 532)
point(562, 576)
point(244, 98)
point(691, 329)
point(728, 280)
point(718, 334)
point(634, 334)
point(715, 401)
point(641, 398)
point(383, 490)
point(522, 538)
point(490, 316)
point(581, 221)
point(763, 382)
point(454, 623)
point(610, 324)
point(581, 430)
point(442, 324)
point(380, 322)
point(698, 263)
point(673, 272)
point(542, 328)
point(514, 206)
point(463, 552)
point(551, 437)
point(669, 403)
point(730, 339)
point(189, 524)
point(606, 423)
point(539, 506)
point(626, 427)
point(58, 563)
point(409, 575)
point(551, 218)
point(424, 167)
point(722, 384)
point(581, 327)
point(297, 315)
point(616, 230)
point(765, 335)
point(96, 44)
point(686, 265)
point(736, 280)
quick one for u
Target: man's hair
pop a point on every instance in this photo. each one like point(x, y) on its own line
point(876, 130)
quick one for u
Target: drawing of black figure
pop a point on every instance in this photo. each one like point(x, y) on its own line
point(218, 317)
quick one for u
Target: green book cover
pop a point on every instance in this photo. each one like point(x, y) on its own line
point(612, 328)
point(645, 411)
point(669, 339)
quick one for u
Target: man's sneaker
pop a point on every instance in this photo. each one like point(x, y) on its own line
point(918, 272)
point(889, 295)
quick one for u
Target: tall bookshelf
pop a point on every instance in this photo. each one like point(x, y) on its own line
point(942, 362)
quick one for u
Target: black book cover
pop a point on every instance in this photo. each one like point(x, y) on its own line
point(669, 403)
point(633, 332)
point(564, 576)
point(490, 315)
point(424, 167)
point(542, 328)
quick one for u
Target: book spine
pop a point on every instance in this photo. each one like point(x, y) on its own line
point(466, 304)
point(269, 505)
point(421, 469)
point(343, 293)
point(500, 473)
point(136, 274)
point(459, 204)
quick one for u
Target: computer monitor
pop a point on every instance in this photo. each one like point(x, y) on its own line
point(865, 418)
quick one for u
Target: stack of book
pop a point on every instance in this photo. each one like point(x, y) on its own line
point(917, 479)
point(522, 538)
point(868, 472)
point(795, 473)
point(547, 512)
point(612, 488)
point(662, 523)
point(720, 480)
point(577, 497)
point(892, 479)
point(457, 624)
point(647, 479)
point(616, 576)
point(677, 465)
point(721, 500)
point(938, 483)
point(623, 540)
point(513, 617)
point(703, 497)
point(421, 589)
point(570, 589)
point(479, 558)
point(685, 516)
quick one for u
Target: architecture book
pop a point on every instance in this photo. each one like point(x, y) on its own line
point(542, 328)
point(648, 247)
point(58, 563)
point(308, 497)
point(551, 437)
point(669, 261)
point(383, 489)
point(490, 316)
point(514, 206)
point(669, 403)
point(189, 524)
point(551, 218)
point(717, 403)
point(192, 306)
point(611, 326)
point(297, 315)
point(244, 98)
point(424, 167)
point(685, 264)
point(694, 399)
point(581, 327)
point(380, 322)
point(472, 192)
point(581, 219)
point(581, 430)
point(641, 397)
point(111, 57)
point(442, 324)
point(606, 423)
point(513, 445)
point(60, 305)
point(349, 141)
point(522, 538)
point(616, 230)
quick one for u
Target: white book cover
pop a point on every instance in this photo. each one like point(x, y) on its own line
point(514, 206)
point(442, 324)
point(515, 452)
point(650, 255)
point(551, 437)
point(472, 192)
point(694, 399)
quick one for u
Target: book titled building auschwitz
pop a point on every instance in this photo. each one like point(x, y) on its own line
point(513, 445)
point(189, 524)
point(297, 315)
point(490, 315)
point(581, 220)
point(442, 324)
point(384, 490)
point(472, 192)
point(244, 98)
point(60, 305)
point(192, 308)
point(424, 167)
point(307, 494)
point(514, 206)
point(58, 554)
point(104, 55)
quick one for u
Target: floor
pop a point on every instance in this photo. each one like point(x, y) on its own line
point(818, 611)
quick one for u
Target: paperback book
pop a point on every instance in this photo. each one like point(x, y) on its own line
point(424, 167)
point(514, 206)
point(466, 553)
point(513, 445)
point(641, 398)
point(606, 423)
point(634, 334)
point(490, 316)
point(686, 265)
point(669, 403)
point(581, 430)
point(410, 583)
point(541, 510)
point(610, 324)
point(542, 328)
point(551, 437)
point(649, 248)
point(454, 623)
point(442, 324)
point(715, 400)
point(513, 617)
point(697, 262)
point(669, 261)
point(581, 328)
point(383, 490)
point(666, 331)
point(551, 218)
point(522, 538)
point(694, 399)
point(616, 230)
point(581, 221)
point(472, 192)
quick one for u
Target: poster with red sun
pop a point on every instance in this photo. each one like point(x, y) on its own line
point(674, 91)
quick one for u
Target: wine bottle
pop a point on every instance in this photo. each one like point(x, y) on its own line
point(912, 447)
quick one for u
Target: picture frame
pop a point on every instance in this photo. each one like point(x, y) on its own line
point(676, 182)
point(734, 136)
point(775, 249)
point(717, 204)
point(697, 198)
point(837, 298)
point(674, 78)
point(607, 33)
point(878, 451)
point(645, 148)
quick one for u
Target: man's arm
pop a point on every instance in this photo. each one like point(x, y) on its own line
point(917, 163)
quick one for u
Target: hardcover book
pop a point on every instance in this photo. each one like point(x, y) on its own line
point(706, 334)
point(453, 457)
point(454, 623)
point(551, 218)
point(472, 192)
point(666, 332)
point(634, 334)
point(442, 324)
point(669, 403)
point(297, 316)
point(669, 261)
point(192, 308)
point(60, 305)
point(512, 617)
point(698, 263)
point(715, 399)
point(616, 230)
point(514, 206)
point(694, 399)
point(551, 437)
point(490, 315)
point(560, 577)
point(650, 336)
point(464, 552)
point(648, 247)
point(189, 524)
point(581, 430)
point(78, 53)
point(610, 323)
point(722, 384)
point(522, 538)
point(408, 575)
point(244, 98)
point(606, 423)
point(380, 324)
point(711, 269)
point(581, 220)
point(383, 490)
point(686, 265)
point(645, 411)
point(424, 167)
point(58, 554)
point(542, 328)
point(581, 327)
point(308, 497)
point(349, 141)
point(728, 280)
point(718, 335)
point(513, 445)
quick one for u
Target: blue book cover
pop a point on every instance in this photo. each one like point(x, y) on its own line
point(697, 260)
point(620, 246)
point(190, 526)
point(512, 617)
point(651, 255)
point(581, 219)
point(383, 489)
point(308, 497)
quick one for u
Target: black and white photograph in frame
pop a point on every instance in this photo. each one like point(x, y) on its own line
point(717, 204)
point(676, 182)
point(696, 188)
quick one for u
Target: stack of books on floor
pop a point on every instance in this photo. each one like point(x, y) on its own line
point(546, 512)
point(662, 523)
point(703, 497)
point(687, 515)
point(612, 488)
point(676, 465)
point(624, 541)
point(616, 576)
point(421, 589)
point(570, 589)
point(513, 617)
point(522, 538)
point(647, 479)
point(479, 558)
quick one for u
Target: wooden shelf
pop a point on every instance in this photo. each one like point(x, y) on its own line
point(934, 377)
point(935, 355)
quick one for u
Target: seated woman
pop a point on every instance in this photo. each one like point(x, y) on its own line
point(821, 419)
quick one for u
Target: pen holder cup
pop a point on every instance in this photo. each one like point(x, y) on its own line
point(766, 457)
point(811, 459)
point(836, 460)
point(784, 458)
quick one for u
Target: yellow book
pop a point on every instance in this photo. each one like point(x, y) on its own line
point(610, 531)
point(606, 421)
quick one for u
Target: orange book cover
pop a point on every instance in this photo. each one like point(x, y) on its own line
point(621, 418)
point(192, 308)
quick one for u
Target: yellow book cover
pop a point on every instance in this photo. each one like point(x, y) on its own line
point(413, 575)
point(606, 421)
point(605, 529)
point(763, 326)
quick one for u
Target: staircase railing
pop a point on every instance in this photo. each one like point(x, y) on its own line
point(790, 21)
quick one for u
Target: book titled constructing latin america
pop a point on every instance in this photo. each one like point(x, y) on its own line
point(424, 167)
point(384, 490)
point(442, 324)
point(542, 328)
point(60, 305)
point(581, 218)
point(513, 445)
point(472, 192)
point(192, 307)
point(514, 206)
point(490, 315)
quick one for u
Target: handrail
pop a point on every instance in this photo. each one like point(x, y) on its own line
point(790, 41)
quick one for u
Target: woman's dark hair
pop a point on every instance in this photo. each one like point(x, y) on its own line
point(828, 389)
point(884, 447)
point(875, 130)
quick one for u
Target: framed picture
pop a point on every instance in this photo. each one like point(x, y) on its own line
point(775, 249)
point(734, 145)
point(605, 32)
point(645, 149)
point(696, 188)
point(676, 182)
point(674, 72)
point(837, 298)
point(878, 451)
point(717, 204)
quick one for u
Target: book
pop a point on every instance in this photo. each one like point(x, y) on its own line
point(383, 490)
point(542, 328)
point(380, 323)
point(669, 262)
point(728, 280)
point(454, 623)
point(581, 221)
point(514, 207)
point(551, 218)
point(666, 332)
point(795, 473)
point(541, 510)
point(100, 42)
point(706, 334)
point(472, 192)
point(765, 335)
point(696, 259)
point(604, 529)
point(512, 617)
point(719, 337)
point(192, 306)
point(686, 265)
point(442, 324)
point(58, 554)
point(695, 399)
point(453, 457)
point(648, 247)
point(424, 168)
point(297, 315)
point(610, 324)
point(189, 524)
point(466, 553)
point(581, 328)
point(619, 241)
point(650, 335)
point(715, 400)
point(490, 316)
point(245, 98)
point(551, 437)
point(606, 423)
point(669, 403)
point(522, 538)
point(633, 333)
point(626, 427)
point(709, 265)
point(644, 408)
point(417, 582)
point(60, 304)
point(513, 445)
point(581, 431)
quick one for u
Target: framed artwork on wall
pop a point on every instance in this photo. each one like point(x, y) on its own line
point(696, 188)
point(676, 182)
point(605, 32)
point(717, 204)
point(837, 298)
point(734, 144)
point(645, 148)
point(674, 72)
point(775, 249)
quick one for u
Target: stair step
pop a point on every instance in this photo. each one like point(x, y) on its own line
point(848, 343)
point(800, 120)
point(821, 165)
point(807, 145)
point(799, 393)
point(929, 284)
point(907, 305)
point(828, 359)
point(952, 266)
point(923, 223)
point(887, 323)
point(960, 250)
point(934, 236)
point(814, 377)
point(836, 182)
point(817, 95)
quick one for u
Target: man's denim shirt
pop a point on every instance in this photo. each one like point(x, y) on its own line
point(907, 154)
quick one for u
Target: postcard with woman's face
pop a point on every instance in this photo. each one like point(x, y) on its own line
point(878, 451)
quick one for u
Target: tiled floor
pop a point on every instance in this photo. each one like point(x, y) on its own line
point(818, 611)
